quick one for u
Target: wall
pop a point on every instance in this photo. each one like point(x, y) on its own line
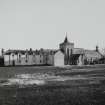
point(59, 59)
point(80, 60)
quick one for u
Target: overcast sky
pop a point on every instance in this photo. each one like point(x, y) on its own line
point(43, 23)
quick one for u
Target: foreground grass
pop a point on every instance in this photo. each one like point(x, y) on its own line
point(53, 95)
point(71, 92)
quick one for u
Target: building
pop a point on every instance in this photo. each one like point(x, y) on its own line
point(59, 58)
point(67, 54)
point(67, 48)
point(1, 61)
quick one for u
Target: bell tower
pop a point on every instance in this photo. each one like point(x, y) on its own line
point(67, 47)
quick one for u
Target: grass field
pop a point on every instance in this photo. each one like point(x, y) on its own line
point(81, 86)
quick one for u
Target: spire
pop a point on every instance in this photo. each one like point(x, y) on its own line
point(97, 48)
point(66, 39)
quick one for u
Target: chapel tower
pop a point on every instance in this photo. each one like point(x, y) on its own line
point(67, 48)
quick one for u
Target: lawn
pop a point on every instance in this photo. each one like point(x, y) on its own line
point(86, 86)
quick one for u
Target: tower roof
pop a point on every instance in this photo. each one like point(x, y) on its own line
point(66, 40)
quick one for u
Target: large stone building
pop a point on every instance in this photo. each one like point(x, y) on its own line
point(79, 56)
point(67, 54)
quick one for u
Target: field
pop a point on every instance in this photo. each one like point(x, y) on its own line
point(52, 85)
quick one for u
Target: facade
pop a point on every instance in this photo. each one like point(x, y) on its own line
point(1, 61)
point(92, 56)
point(67, 48)
point(67, 54)
point(59, 58)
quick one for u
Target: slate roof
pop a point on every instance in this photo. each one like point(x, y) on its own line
point(8, 52)
point(66, 42)
point(88, 53)
point(92, 53)
point(44, 51)
point(78, 51)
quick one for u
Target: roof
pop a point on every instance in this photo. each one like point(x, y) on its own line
point(92, 53)
point(30, 52)
point(66, 42)
point(88, 53)
point(8, 52)
point(78, 51)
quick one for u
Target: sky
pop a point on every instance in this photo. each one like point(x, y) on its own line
point(39, 24)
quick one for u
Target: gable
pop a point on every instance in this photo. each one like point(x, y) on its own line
point(59, 53)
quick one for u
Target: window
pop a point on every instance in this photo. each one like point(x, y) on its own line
point(19, 58)
point(26, 58)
